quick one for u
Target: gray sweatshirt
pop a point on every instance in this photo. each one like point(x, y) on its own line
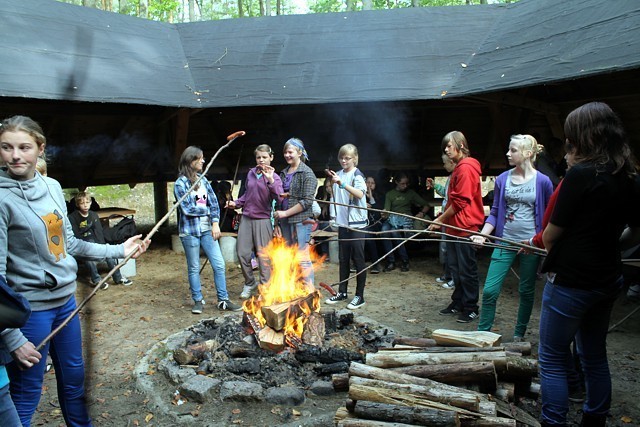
point(37, 246)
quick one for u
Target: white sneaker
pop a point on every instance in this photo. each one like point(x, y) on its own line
point(248, 291)
point(449, 284)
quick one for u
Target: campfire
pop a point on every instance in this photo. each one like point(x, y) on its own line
point(287, 305)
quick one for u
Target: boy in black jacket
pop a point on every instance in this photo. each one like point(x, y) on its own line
point(86, 226)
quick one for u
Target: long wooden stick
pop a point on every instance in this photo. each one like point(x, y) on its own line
point(537, 250)
point(226, 210)
point(128, 256)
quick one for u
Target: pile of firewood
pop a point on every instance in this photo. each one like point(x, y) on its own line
point(452, 379)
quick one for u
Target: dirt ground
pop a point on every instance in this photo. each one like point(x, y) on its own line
point(122, 323)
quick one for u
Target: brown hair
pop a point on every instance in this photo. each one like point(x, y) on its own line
point(597, 135)
point(27, 125)
point(189, 154)
point(458, 139)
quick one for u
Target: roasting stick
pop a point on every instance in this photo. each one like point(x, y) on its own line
point(147, 239)
point(224, 217)
point(330, 287)
point(532, 249)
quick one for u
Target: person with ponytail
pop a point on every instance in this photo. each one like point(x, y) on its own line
point(521, 196)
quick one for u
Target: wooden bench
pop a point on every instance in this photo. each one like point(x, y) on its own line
point(105, 213)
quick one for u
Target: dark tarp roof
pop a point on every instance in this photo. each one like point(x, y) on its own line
point(53, 50)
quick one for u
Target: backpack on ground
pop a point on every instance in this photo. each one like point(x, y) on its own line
point(120, 232)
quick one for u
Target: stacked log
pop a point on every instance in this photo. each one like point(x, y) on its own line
point(423, 382)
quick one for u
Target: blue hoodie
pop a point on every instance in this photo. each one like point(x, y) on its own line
point(37, 246)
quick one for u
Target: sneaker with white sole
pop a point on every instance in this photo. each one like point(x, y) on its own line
point(336, 298)
point(248, 291)
point(356, 303)
point(449, 284)
point(467, 316)
point(227, 305)
point(450, 310)
point(94, 283)
point(197, 307)
point(125, 281)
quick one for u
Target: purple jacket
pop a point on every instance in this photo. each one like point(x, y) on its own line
point(257, 198)
point(497, 216)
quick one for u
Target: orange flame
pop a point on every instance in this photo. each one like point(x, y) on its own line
point(285, 284)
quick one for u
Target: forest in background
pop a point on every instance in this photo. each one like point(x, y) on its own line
point(176, 11)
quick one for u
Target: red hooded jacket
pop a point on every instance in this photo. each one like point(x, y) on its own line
point(465, 197)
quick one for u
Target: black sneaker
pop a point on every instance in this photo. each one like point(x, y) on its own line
point(225, 304)
point(450, 310)
point(352, 268)
point(467, 316)
point(576, 395)
point(356, 302)
point(405, 266)
point(375, 269)
point(390, 267)
point(336, 298)
point(197, 307)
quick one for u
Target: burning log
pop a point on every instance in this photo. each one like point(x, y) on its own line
point(405, 414)
point(269, 339)
point(276, 314)
point(194, 353)
point(314, 330)
point(455, 373)
point(449, 337)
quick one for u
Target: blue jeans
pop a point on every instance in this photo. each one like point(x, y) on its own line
point(8, 413)
point(66, 353)
point(211, 248)
point(568, 312)
point(93, 270)
point(396, 233)
point(300, 234)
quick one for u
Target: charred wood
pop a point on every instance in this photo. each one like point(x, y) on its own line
point(311, 353)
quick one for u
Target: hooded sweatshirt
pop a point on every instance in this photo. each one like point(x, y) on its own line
point(37, 245)
point(465, 197)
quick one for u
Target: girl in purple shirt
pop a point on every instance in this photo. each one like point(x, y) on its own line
point(521, 197)
point(256, 228)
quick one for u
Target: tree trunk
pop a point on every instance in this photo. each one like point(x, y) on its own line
point(466, 338)
point(410, 394)
point(240, 11)
point(143, 9)
point(367, 5)
point(192, 11)
point(394, 360)
point(455, 373)
point(405, 414)
point(415, 342)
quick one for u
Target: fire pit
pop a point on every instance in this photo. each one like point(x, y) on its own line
point(226, 364)
point(271, 365)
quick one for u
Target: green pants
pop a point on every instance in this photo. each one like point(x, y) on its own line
point(501, 261)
